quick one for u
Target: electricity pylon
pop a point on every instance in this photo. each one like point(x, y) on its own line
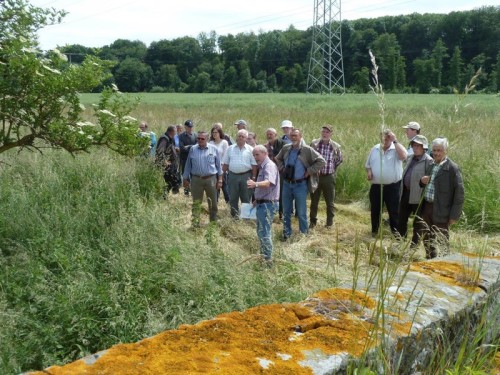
point(326, 68)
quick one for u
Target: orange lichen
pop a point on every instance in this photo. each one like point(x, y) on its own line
point(233, 343)
point(347, 296)
point(448, 272)
point(402, 328)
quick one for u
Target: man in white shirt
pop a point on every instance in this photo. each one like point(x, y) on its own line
point(384, 169)
point(241, 165)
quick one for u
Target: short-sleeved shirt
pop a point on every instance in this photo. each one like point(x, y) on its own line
point(222, 146)
point(238, 159)
point(268, 171)
point(390, 170)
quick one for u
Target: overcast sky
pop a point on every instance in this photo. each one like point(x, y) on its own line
point(96, 23)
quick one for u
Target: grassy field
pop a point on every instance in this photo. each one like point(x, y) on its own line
point(470, 123)
point(91, 254)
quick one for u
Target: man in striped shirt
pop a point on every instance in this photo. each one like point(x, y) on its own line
point(330, 151)
point(203, 173)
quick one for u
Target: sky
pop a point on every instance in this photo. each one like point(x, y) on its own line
point(96, 23)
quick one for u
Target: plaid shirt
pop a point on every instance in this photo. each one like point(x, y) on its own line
point(333, 157)
point(429, 191)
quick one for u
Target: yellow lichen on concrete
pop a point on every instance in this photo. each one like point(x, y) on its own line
point(346, 295)
point(239, 342)
point(449, 273)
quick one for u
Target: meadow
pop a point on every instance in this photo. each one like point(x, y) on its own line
point(92, 255)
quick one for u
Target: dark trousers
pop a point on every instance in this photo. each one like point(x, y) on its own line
point(405, 211)
point(238, 190)
point(280, 207)
point(326, 186)
point(389, 195)
point(183, 166)
point(433, 234)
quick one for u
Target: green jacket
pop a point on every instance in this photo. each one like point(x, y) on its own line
point(312, 160)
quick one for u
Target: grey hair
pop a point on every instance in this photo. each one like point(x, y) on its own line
point(386, 132)
point(441, 141)
point(243, 132)
point(273, 130)
point(260, 148)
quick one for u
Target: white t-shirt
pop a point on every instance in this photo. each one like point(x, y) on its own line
point(390, 170)
point(221, 147)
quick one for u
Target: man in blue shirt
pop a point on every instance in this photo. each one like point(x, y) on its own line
point(299, 165)
point(203, 173)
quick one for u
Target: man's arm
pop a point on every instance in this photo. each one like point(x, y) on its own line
point(458, 196)
point(318, 162)
point(279, 159)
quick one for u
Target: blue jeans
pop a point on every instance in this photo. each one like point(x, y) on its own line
point(297, 192)
point(265, 215)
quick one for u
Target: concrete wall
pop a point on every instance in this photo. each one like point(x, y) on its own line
point(430, 305)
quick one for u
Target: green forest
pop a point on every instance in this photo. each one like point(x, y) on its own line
point(416, 53)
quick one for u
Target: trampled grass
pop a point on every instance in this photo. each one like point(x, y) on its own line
point(91, 255)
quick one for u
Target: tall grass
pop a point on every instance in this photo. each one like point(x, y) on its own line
point(91, 255)
point(473, 132)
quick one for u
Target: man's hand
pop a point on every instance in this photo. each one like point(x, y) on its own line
point(185, 184)
point(425, 180)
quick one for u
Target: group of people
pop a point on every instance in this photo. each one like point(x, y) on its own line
point(279, 175)
point(276, 177)
point(411, 181)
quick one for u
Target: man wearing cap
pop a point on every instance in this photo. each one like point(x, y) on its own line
point(186, 140)
point(241, 124)
point(203, 173)
point(286, 127)
point(330, 151)
point(299, 165)
point(411, 191)
point(412, 129)
point(384, 169)
point(241, 166)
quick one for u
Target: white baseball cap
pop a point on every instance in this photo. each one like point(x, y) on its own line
point(412, 125)
point(286, 124)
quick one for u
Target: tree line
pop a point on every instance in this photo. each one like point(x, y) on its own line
point(416, 53)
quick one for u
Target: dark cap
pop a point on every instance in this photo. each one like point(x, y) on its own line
point(327, 127)
point(188, 123)
point(240, 122)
